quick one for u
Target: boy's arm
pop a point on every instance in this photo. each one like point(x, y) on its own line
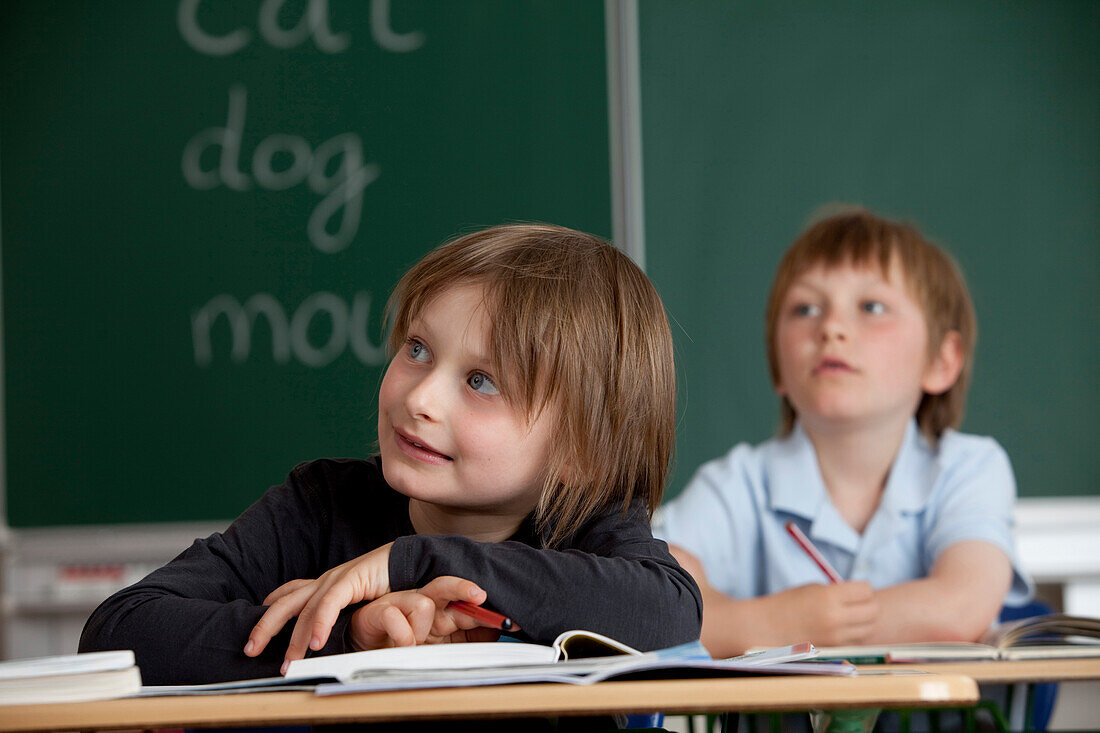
point(828, 615)
point(967, 547)
point(613, 578)
point(957, 601)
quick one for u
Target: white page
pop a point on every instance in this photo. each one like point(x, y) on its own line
point(427, 656)
point(66, 664)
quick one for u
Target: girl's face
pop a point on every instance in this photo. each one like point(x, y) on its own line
point(852, 348)
point(448, 438)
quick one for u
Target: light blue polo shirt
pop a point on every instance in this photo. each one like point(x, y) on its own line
point(732, 514)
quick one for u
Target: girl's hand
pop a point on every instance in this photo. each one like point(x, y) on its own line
point(408, 618)
point(317, 603)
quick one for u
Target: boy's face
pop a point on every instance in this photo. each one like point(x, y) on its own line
point(448, 438)
point(852, 348)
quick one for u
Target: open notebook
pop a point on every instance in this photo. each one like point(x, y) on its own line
point(354, 665)
point(1051, 636)
point(575, 657)
point(581, 672)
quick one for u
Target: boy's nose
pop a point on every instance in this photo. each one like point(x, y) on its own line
point(833, 327)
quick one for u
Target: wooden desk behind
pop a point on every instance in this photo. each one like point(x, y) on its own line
point(1029, 670)
point(748, 694)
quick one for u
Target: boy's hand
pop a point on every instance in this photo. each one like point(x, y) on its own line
point(827, 615)
point(408, 618)
point(318, 602)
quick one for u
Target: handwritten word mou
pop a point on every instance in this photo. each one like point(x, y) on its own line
point(289, 336)
point(333, 169)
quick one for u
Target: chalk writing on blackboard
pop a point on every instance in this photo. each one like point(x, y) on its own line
point(313, 24)
point(333, 169)
point(342, 188)
point(289, 336)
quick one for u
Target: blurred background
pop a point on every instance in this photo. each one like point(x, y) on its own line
point(204, 206)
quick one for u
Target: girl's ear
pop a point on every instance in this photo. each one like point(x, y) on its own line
point(945, 366)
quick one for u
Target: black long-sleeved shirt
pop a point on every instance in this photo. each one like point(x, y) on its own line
point(188, 621)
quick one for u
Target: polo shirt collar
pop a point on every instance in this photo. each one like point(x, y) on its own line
point(793, 477)
point(795, 485)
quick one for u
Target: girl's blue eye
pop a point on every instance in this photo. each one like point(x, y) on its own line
point(482, 383)
point(873, 307)
point(417, 350)
point(807, 310)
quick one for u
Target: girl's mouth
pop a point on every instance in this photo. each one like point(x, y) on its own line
point(421, 451)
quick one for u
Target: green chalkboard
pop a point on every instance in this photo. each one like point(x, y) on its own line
point(978, 121)
point(205, 206)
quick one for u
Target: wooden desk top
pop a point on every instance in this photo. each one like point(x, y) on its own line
point(749, 694)
point(1024, 670)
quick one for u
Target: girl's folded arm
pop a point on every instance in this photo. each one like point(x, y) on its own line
point(188, 621)
point(613, 578)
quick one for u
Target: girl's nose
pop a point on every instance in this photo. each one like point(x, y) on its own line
point(423, 401)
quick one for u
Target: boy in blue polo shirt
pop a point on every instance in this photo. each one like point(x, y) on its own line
point(870, 337)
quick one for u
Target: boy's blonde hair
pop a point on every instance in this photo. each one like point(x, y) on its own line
point(576, 327)
point(858, 237)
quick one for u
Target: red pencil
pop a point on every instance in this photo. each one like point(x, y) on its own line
point(484, 615)
point(815, 554)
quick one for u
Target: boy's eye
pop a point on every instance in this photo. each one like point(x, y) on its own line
point(480, 382)
point(806, 310)
point(417, 351)
point(874, 307)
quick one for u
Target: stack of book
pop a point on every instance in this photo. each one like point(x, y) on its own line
point(69, 678)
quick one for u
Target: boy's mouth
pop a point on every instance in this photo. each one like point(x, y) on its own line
point(416, 448)
point(832, 366)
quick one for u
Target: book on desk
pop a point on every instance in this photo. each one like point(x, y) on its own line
point(69, 678)
point(575, 657)
point(1050, 636)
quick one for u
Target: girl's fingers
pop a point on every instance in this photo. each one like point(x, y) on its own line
point(275, 618)
point(447, 588)
point(453, 620)
point(421, 613)
point(300, 636)
point(331, 593)
point(397, 627)
point(397, 619)
point(286, 589)
point(479, 633)
point(318, 603)
point(443, 590)
point(316, 620)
